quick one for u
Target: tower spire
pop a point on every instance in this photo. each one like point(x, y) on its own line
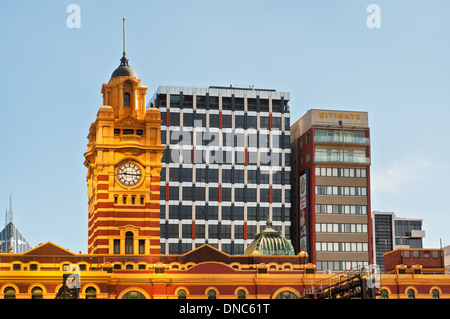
point(9, 212)
point(123, 60)
point(123, 36)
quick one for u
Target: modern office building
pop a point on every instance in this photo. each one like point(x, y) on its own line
point(11, 240)
point(331, 182)
point(391, 232)
point(225, 169)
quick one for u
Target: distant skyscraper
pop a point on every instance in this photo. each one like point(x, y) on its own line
point(226, 166)
point(391, 232)
point(11, 239)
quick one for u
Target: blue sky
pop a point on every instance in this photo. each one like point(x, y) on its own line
point(322, 52)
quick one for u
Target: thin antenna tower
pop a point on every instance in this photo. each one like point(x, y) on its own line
point(9, 212)
point(123, 36)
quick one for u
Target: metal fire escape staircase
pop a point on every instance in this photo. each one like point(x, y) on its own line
point(361, 284)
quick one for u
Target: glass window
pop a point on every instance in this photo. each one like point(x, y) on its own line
point(133, 295)
point(251, 213)
point(126, 99)
point(187, 193)
point(239, 231)
point(186, 230)
point(141, 246)
point(129, 243)
point(239, 121)
point(226, 103)
point(187, 100)
point(214, 120)
point(174, 119)
point(276, 122)
point(213, 193)
point(226, 194)
point(199, 230)
point(199, 193)
point(252, 176)
point(200, 175)
point(213, 231)
point(239, 176)
point(239, 104)
point(213, 103)
point(186, 174)
point(264, 122)
point(238, 213)
point(226, 212)
point(213, 212)
point(435, 294)
point(211, 294)
point(188, 119)
point(172, 231)
point(186, 211)
point(226, 121)
point(263, 213)
point(201, 102)
point(263, 195)
point(251, 195)
point(225, 231)
point(10, 293)
point(116, 246)
point(181, 294)
point(251, 122)
point(277, 213)
point(173, 192)
point(239, 195)
point(276, 195)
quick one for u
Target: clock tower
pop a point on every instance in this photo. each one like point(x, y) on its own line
point(124, 163)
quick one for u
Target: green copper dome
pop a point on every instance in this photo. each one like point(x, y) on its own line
point(270, 242)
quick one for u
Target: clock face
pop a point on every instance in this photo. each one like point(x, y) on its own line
point(129, 174)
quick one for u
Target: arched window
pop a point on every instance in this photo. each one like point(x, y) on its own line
point(411, 294)
point(91, 293)
point(36, 293)
point(384, 294)
point(133, 295)
point(286, 295)
point(126, 99)
point(241, 294)
point(129, 242)
point(435, 294)
point(181, 294)
point(211, 294)
point(10, 293)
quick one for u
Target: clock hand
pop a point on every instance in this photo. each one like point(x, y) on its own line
point(131, 174)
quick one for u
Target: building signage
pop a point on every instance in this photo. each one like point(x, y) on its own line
point(340, 116)
point(303, 206)
point(303, 191)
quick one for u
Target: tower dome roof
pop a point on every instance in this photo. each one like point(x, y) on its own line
point(270, 242)
point(124, 69)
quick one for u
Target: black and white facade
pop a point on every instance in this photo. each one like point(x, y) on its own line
point(226, 166)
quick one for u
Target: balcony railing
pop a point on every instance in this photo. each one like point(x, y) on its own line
point(340, 139)
point(342, 158)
